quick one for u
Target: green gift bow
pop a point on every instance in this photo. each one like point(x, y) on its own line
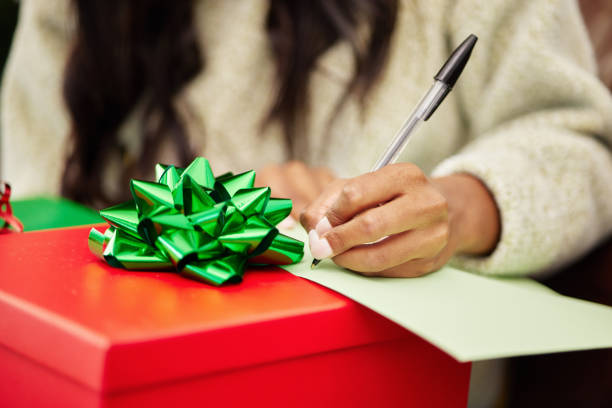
point(203, 227)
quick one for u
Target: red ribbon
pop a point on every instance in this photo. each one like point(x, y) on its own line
point(9, 221)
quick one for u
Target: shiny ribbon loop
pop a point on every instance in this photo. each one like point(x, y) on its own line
point(203, 227)
point(8, 221)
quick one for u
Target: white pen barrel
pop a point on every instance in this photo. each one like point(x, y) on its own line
point(399, 143)
point(430, 101)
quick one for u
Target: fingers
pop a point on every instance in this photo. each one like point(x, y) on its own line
point(302, 180)
point(319, 207)
point(294, 180)
point(272, 176)
point(371, 189)
point(323, 177)
point(302, 184)
point(349, 197)
point(402, 214)
point(420, 266)
point(287, 224)
point(396, 250)
point(392, 222)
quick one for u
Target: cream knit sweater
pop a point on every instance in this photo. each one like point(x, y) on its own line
point(528, 117)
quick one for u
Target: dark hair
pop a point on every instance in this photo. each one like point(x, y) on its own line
point(132, 54)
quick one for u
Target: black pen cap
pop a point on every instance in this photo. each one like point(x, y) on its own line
point(453, 67)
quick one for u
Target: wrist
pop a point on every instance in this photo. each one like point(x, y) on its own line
point(473, 214)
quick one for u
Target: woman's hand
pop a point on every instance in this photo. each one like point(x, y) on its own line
point(396, 222)
point(295, 180)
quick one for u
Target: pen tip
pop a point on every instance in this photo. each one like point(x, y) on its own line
point(314, 263)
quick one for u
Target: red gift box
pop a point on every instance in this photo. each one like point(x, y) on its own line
point(77, 332)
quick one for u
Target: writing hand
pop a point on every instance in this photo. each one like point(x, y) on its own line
point(294, 180)
point(396, 222)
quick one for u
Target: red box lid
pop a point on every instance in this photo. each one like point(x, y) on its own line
point(113, 329)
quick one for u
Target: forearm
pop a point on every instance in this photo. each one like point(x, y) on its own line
point(473, 214)
point(551, 186)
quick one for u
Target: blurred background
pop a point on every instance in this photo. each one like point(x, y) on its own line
point(597, 13)
point(580, 379)
point(8, 21)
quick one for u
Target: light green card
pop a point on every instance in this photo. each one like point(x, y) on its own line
point(472, 317)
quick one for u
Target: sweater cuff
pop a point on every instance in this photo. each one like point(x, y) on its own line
point(524, 246)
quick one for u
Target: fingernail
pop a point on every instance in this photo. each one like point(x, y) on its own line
point(319, 247)
point(287, 223)
point(323, 226)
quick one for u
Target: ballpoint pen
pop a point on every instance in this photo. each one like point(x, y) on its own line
point(445, 79)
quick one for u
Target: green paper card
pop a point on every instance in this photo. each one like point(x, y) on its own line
point(472, 317)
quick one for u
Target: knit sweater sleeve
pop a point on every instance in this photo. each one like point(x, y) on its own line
point(34, 119)
point(540, 130)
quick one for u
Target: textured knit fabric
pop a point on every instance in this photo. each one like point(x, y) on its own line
point(529, 116)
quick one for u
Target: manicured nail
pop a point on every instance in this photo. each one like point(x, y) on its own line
point(287, 223)
point(319, 247)
point(323, 226)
